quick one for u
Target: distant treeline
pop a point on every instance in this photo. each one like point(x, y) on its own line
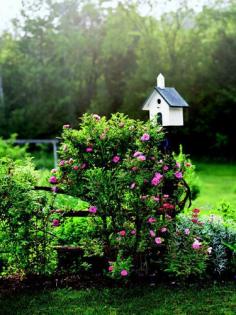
point(93, 57)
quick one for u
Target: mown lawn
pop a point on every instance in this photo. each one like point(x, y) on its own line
point(213, 300)
point(218, 183)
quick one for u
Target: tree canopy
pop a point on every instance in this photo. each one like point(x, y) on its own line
point(88, 56)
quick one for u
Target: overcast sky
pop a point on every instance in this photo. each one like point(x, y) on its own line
point(10, 9)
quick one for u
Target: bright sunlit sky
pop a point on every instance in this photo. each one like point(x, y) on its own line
point(10, 9)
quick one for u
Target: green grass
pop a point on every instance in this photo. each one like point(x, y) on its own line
point(213, 300)
point(218, 183)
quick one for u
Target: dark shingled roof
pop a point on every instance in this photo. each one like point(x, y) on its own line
point(172, 97)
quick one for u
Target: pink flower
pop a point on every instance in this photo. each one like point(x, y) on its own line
point(186, 231)
point(165, 168)
point(124, 273)
point(62, 163)
point(116, 159)
point(66, 126)
point(151, 220)
point(122, 233)
point(132, 186)
point(54, 189)
point(165, 196)
point(141, 157)
point(196, 244)
point(168, 205)
point(156, 179)
point(163, 229)
point(89, 149)
point(133, 232)
point(110, 268)
point(134, 168)
point(76, 167)
point(143, 197)
point(92, 209)
point(53, 180)
point(158, 240)
point(194, 220)
point(55, 222)
point(196, 211)
point(152, 233)
point(54, 170)
point(137, 153)
point(97, 117)
point(145, 137)
point(177, 164)
point(156, 198)
point(83, 166)
point(178, 175)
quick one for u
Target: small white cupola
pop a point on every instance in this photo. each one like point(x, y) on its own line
point(165, 105)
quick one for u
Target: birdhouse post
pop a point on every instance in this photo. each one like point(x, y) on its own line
point(165, 105)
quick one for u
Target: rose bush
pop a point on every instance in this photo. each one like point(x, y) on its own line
point(132, 186)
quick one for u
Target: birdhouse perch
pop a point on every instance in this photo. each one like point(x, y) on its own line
point(165, 105)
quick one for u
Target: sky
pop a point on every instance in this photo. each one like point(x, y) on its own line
point(10, 9)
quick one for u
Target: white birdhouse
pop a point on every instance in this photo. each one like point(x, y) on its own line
point(165, 104)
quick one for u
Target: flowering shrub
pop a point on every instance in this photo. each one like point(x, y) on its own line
point(132, 187)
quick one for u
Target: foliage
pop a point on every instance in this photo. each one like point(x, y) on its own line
point(9, 150)
point(118, 167)
point(25, 244)
point(71, 61)
point(190, 173)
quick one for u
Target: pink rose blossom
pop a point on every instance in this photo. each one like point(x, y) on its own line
point(53, 180)
point(97, 117)
point(134, 168)
point(132, 186)
point(152, 233)
point(66, 126)
point(166, 196)
point(196, 211)
point(83, 166)
point(145, 137)
point(156, 198)
point(124, 273)
point(144, 197)
point(133, 232)
point(110, 268)
point(158, 240)
point(137, 153)
point(165, 168)
point(186, 231)
point(177, 164)
point(156, 179)
point(92, 209)
point(54, 189)
point(62, 163)
point(54, 170)
point(196, 244)
point(163, 230)
point(116, 159)
point(141, 157)
point(89, 149)
point(178, 175)
point(151, 220)
point(76, 167)
point(122, 233)
point(55, 222)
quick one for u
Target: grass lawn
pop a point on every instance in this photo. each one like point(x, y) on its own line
point(213, 300)
point(218, 183)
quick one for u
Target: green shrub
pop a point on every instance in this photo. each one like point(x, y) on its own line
point(25, 245)
point(190, 175)
point(10, 150)
point(119, 168)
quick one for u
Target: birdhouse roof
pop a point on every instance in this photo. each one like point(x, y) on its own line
point(170, 95)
